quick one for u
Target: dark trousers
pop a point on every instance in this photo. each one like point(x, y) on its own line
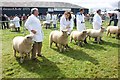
point(3, 25)
point(37, 46)
point(54, 25)
point(7, 25)
point(47, 26)
point(115, 22)
point(110, 22)
point(17, 29)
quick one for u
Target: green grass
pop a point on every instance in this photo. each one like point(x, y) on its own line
point(91, 61)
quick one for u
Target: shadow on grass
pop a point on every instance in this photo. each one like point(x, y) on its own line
point(78, 55)
point(44, 68)
point(94, 46)
point(112, 44)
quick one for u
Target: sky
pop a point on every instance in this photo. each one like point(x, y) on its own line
point(90, 4)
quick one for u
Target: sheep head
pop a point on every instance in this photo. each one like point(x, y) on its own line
point(64, 33)
point(102, 29)
point(28, 39)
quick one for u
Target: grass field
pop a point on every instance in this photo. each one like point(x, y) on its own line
point(91, 61)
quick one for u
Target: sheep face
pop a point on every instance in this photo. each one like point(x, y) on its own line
point(64, 33)
point(84, 32)
point(102, 29)
point(28, 39)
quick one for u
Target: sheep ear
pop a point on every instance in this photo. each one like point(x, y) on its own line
point(84, 31)
point(29, 37)
point(62, 31)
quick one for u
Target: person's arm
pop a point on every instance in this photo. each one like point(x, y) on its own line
point(98, 21)
point(71, 24)
point(77, 18)
point(62, 23)
point(29, 26)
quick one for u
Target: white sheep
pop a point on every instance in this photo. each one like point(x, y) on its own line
point(12, 26)
point(60, 38)
point(22, 45)
point(96, 33)
point(113, 30)
point(78, 36)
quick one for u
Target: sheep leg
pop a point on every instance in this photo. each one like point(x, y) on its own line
point(56, 45)
point(110, 34)
point(28, 55)
point(98, 40)
point(107, 33)
point(89, 37)
point(14, 52)
point(79, 43)
point(22, 58)
point(51, 43)
point(60, 47)
point(71, 39)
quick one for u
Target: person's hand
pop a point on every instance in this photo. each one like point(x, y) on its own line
point(33, 31)
point(68, 27)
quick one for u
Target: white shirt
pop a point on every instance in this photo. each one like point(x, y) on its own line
point(16, 21)
point(73, 17)
point(48, 18)
point(33, 23)
point(97, 21)
point(80, 22)
point(118, 15)
point(65, 23)
point(54, 19)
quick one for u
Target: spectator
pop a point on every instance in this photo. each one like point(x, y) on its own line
point(16, 21)
point(54, 20)
point(81, 22)
point(48, 18)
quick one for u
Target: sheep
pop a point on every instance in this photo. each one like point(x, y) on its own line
point(22, 45)
point(12, 26)
point(96, 33)
point(60, 38)
point(78, 36)
point(113, 30)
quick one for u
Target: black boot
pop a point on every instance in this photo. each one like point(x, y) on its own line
point(18, 29)
point(85, 41)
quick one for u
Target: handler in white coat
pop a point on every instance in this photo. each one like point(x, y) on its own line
point(80, 20)
point(54, 20)
point(66, 22)
point(48, 20)
point(34, 27)
point(118, 17)
point(97, 20)
point(16, 21)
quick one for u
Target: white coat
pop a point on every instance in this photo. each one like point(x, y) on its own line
point(65, 23)
point(16, 21)
point(48, 18)
point(54, 19)
point(118, 17)
point(80, 22)
point(33, 23)
point(97, 21)
point(73, 17)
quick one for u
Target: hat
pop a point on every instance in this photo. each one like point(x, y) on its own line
point(33, 9)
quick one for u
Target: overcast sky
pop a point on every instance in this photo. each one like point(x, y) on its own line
point(91, 4)
point(95, 4)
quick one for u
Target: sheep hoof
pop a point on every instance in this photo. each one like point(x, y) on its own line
point(21, 60)
point(61, 50)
